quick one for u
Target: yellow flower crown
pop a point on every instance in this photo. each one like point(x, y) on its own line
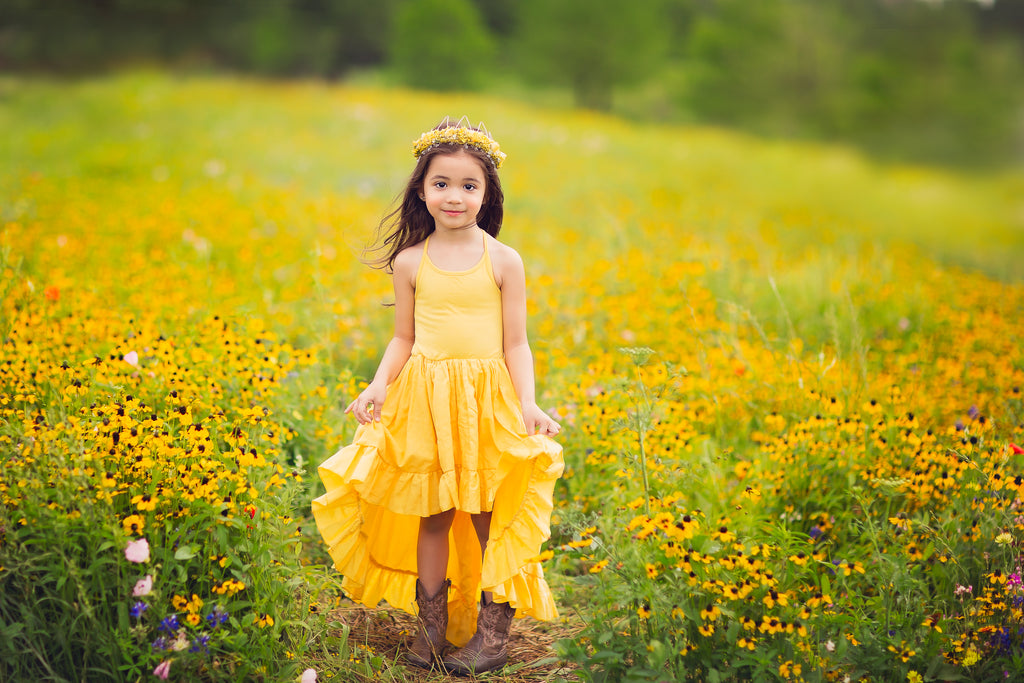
point(460, 134)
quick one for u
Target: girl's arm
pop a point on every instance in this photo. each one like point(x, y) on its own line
point(368, 404)
point(518, 357)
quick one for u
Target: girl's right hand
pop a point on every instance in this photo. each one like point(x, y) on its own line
point(368, 404)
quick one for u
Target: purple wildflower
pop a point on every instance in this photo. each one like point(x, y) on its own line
point(202, 642)
point(170, 624)
point(217, 616)
point(161, 643)
point(137, 609)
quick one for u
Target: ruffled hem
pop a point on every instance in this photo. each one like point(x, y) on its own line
point(469, 453)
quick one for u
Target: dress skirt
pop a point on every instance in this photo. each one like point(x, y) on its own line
point(451, 436)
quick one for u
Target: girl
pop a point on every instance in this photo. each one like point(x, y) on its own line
point(452, 457)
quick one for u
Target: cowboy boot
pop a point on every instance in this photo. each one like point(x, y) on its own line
point(432, 624)
point(488, 648)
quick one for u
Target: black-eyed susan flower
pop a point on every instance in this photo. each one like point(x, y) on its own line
point(789, 670)
point(710, 612)
point(133, 524)
point(144, 502)
point(902, 652)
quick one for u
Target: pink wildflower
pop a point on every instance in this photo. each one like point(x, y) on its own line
point(143, 586)
point(137, 551)
point(163, 670)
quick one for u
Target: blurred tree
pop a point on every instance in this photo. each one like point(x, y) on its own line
point(934, 80)
point(322, 37)
point(499, 15)
point(591, 45)
point(902, 77)
point(767, 65)
point(441, 44)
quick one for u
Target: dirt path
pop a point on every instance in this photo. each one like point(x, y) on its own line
point(386, 632)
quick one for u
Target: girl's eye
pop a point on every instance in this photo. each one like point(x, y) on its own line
point(439, 185)
point(469, 187)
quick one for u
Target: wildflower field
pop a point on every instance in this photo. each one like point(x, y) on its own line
point(789, 382)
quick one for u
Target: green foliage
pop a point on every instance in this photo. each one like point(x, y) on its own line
point(321, 37)
point(441, 45)
point(835, 69)
point(591, 45)
point(932, 81)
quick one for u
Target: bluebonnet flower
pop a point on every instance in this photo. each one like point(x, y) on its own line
point(217, 616)
point(815, 532)
point(170, 624)
point(1001, 639)
point(138, 608)
point(160, 643)
point(202, 642)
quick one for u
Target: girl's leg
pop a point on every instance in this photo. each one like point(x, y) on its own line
point(488, 648)
point(482, 525)
point(432, 550)
point(431, 590)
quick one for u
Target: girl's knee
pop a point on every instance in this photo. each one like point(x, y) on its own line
point(437, 524)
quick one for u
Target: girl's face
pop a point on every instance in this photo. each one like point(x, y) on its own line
point(453, 190)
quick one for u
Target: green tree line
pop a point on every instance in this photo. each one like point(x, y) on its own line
point(937, 80)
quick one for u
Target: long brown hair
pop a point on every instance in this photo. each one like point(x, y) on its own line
point(410, 222)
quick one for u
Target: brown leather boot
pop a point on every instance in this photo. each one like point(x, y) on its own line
point(432, 624)
point(488, 648)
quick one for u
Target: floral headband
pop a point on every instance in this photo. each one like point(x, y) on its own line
point(460, 134)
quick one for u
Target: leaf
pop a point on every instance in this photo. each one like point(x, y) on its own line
point(186, 552)
point(607, 655)
point(941, 670)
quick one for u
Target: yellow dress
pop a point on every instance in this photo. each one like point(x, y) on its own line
point(451, 435)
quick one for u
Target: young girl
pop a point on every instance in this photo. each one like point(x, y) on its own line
point(445, 495)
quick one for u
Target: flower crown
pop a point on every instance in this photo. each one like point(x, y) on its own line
point(460, 134)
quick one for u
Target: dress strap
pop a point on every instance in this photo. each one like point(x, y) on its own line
point(423, 258)
point(487, 262)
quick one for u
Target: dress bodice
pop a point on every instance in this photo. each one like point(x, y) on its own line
point(457, 313)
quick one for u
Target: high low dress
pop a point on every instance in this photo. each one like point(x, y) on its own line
point(451, 435)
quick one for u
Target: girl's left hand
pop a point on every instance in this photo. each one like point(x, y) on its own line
point(539, 422)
